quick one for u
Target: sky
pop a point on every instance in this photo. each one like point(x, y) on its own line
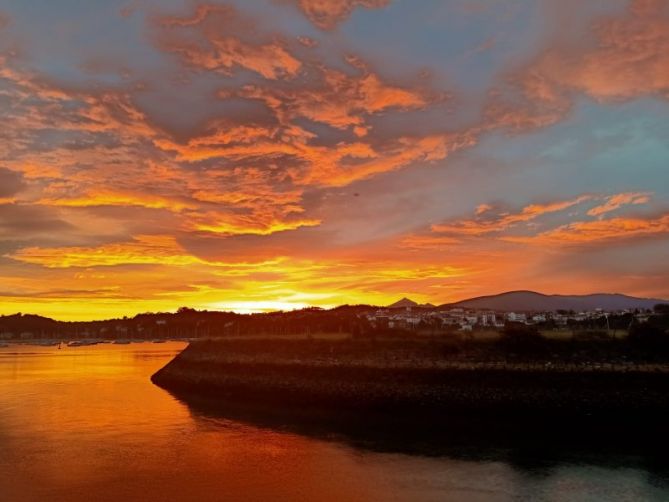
point(275, 154)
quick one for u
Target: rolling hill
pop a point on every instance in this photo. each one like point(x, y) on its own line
point(533, 301)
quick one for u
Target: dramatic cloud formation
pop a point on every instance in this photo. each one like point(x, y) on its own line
point(283, 153)
point(506, 225)
point(221, 47)
point(631, 58)
point(628, 59)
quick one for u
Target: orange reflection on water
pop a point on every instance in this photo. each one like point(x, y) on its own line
point(85, 423)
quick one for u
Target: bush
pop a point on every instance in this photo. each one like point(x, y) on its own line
point(661, 308)
point(521, 338)
point(649, 336)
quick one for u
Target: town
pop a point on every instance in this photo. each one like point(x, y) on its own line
point(467, 320)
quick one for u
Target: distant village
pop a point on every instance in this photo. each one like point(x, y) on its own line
point(417, 317)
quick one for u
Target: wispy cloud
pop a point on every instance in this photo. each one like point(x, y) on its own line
point(619, 200)
point(600, 231)
point(326, 14)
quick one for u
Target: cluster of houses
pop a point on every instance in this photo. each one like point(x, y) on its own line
point(466, 320)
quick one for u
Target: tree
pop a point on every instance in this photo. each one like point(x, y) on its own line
point(661, 308)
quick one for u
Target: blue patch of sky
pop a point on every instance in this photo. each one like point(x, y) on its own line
point(599, 148)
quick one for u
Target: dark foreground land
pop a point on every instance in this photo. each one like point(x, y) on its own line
point(426, 378)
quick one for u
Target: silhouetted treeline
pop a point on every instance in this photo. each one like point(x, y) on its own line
point(187, 323)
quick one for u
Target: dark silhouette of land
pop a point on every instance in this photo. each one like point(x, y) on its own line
point(521, 373)
point(346, 319)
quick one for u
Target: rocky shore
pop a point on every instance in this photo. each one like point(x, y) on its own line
point(410, 377)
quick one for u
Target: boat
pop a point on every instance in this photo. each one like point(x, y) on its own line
point(47, 343)
point(81, 343)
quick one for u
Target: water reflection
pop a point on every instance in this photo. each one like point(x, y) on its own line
point(535, 447)
point(85, 424)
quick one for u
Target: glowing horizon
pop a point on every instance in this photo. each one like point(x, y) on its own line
point(282, 154)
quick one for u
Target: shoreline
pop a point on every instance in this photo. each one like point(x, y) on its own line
point(409, 378)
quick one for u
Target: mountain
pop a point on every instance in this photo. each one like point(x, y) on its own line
point(530, 300)
point(403, 303)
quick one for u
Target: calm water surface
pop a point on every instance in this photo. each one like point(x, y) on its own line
point(86, 424)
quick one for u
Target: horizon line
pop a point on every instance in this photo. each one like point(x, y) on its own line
point(303, 306)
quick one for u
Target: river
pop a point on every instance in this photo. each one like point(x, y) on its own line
point(86, 424)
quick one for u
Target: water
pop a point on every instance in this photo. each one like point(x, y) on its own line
point(86, 424)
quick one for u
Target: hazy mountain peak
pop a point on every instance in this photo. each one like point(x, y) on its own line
point(403, 303)
point(533, 301)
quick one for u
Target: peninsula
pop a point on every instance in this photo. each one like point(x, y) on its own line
point(519, 374)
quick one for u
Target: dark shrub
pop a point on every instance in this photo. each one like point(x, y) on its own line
point(648, 336)
point(520, 338)
point(661, 308)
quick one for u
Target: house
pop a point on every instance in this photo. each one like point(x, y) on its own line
point(513, 317)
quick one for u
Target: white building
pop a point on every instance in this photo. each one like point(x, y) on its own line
point(488, 319)
point(513, 317)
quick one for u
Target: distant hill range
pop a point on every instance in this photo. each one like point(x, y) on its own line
point(532, 301)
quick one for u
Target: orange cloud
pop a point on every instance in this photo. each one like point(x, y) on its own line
point(483, 208)
point(223, 49)
point(326, 14)
point(251, 226)
point(125, 175)
point(587, 232)
point(202, 11)
point(617, 201)
point(336, 165)
point(428, 242)
point(630, 59)
point(143, 250)
point(111, 198)
point(341, 100)
point(528, 213)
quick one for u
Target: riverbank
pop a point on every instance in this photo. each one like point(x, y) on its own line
point(410, 377)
